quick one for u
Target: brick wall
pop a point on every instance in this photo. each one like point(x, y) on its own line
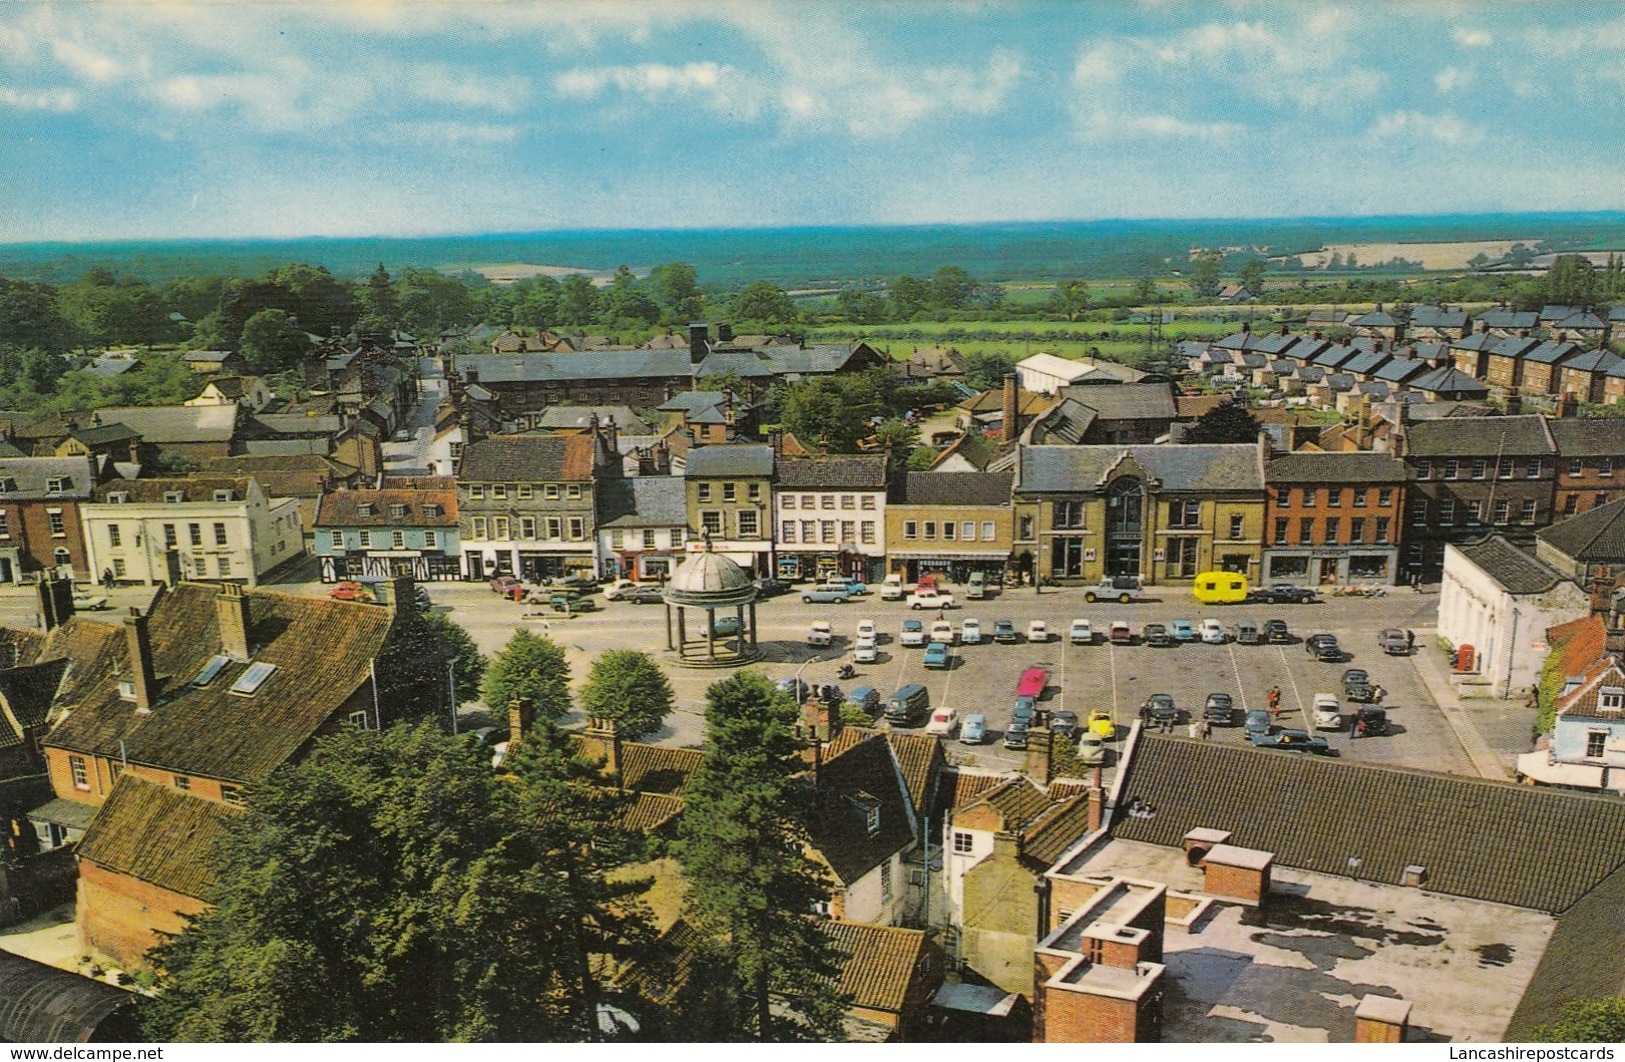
point(30, 530)
point(1238, 882)
point(1080, 1018)
point(122, 917)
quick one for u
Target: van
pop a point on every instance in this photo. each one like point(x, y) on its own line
point(976, 586)
point(908, 705)
point(1220, 588)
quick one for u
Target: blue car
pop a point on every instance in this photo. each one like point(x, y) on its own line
point(973, 731)
point(936, 655)
point(1182, 631)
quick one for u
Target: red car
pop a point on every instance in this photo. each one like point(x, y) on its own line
point(508, 586)
point(1032, 683)
point(350, 592)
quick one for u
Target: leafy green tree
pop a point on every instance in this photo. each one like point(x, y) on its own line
point(628, 687)
point(536, 302)
point(272, 342)
point(386, 887)
point(820, 413)
point(765, 303)
point(1227, 423)
point(30, 318)
point(1571, 281)
point(676, 287)
point(468, 666)
point(427, 301)
point(1069, 299)
point(532, 670)
point(578, 300)
point(952, 288)
point(909, 297)
point(1145, 291)
point(922, 458)
point(902, 438)
point(319, 301)
point(1204, 278)
point(378, 309)
point(1252, 275)
point(742, 843)
point(985, 370)
point(194, 298)
point(861, 307)
point(631, 304)
point(27, 376)
point(1585, 1021)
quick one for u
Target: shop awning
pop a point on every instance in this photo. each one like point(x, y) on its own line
point(939, 555)
point(1540, 766)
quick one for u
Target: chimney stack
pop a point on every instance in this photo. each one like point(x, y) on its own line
point(1514, 403)
point(823, 718)
point(1097, 801)
point(518, 723)
point(55, 600)
point(138, 647)
point(1614, 631)
point(608, 733)
point(231, 613)
point(1012, 409)
point(725, 332)
point(1568, 407)
point(698, 341)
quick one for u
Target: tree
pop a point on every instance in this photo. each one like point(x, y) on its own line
point(952, 288)
point(1227, 423)
point(861, 307)
point(763, 302)
point(1571, 281)
point(31, 318)
point(1204, 278)
point(388, 886)
point(532, 670)
point(909, 296)
point(1585, 1021)
point(1252, 275)
point(320, 302)
point(676, 287)
point(742, 843)
point(901, 438)
point(922, 458)
point(819, 412)
point(1145, 291)
point(378, 310)
point(985, 370)
point(1069, 298)
point(428, 301)
point(468, 666)
point(628, 687)
point(578, 300)
point(272, 342)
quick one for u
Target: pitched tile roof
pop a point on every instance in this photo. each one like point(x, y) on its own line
point(1516, 571)
point(1437, 317)
point(1188, 467)
point(1378, 318)
point(157, 834)
point(961, 788)
point(955, 488)
point(555, 417)
point(1596, 536)
point(1351, 467)
point(1578, 642)
point(375, 508)
point(879, 962)
point(529, 458)
point(855, 471)
point(919, 759)
point(1509, 318)
point(1525, 846)
point(647, 768)
point(1602, 437)
point(1399, 369)
point(1518, 436)
point(1056, 829)
point(742, 459)
point(192, 489)
point(863, 771)
point(1551, 352)
point(1146, 400)
point(19, 647)
point(1600, 360)
point(1450, 380)
point(1584, 959)
point(26, 696)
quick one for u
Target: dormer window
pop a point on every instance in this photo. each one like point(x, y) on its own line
point(869, 807)
point(397, 511)
point(1611, 699)
point(364, 509)
point(431, 510)
point(118, 497)
point(7, 485)
point(58, 485)
point(222, 495)
point(174, 497)
point(126, 688)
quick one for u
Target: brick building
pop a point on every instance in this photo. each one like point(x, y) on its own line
point(39, 514)
point(1590, 464)
point(729, 496)
point(1334, 518)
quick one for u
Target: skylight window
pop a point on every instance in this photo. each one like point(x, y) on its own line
point(252, 679)
point(211, 670)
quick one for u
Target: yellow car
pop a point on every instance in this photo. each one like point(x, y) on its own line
point(1101, 725)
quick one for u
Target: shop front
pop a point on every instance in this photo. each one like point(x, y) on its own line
point(1332, 565)
point(954, 567)
point(374, 567)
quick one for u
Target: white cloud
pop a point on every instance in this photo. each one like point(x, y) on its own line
point(48, 100)
point(86, 62)
point(1444, 129)
point(447, 134)
point(437, 84)
point(1472, 38)
point(1452, 78)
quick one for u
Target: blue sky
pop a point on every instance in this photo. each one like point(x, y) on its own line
point(186, 119)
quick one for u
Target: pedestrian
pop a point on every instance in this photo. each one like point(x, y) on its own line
point(1359, 727)
point(1377, 694)
point(1192, 730)
point(107, 578)
point(1207, 728)
point(1273, 697)
point(1410, 640)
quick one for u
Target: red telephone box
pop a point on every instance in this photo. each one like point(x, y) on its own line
point(1466, 657)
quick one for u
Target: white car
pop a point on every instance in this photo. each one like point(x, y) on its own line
point(1081, 633)
point(1212, 632)
point(892, 588)
point(1038, 631)
point(865, 651)
point(866, 629)
point(970, 632)
point(1328, 714)
point(620, 588)
point(913, 633)
point(820, 633)
point(942, 631)
point(944, 721)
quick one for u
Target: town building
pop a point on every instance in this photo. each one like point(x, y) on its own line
point(1500, 600)
point(1588, 549)
point(1334, 518)
point(250, 392)
point(215, 527)
point(527, 504)
point(186, 434)
point(831, 515)
point(1590, 463)
point(1586, 748)
point(1120, 414)
point(951, 524)
point(40, 519)
point(302, 477)
point(729, 496)
point(1045, 374)
point(409, 527)
point(642, 526)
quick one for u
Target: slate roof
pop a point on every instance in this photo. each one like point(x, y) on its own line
point(1334, 356)
point(1509, 318)
point(745, 364)
point(1437, 317)
point(1193, 467)
point(1600, 360)
point(193, 489)
point(1584, 959)
point(159, 425)
point(343, 508)
point(1145, 400)
point(1595, 536)
point(1399, 369)
point(1310, 373)
point(1514, 347)
point(323, 651)
point(955, 488)
point(1551, 352)
point(1352, 467)
point(694, 401)
point(852, 471)
point(1378, 318)
point(1517, 572)
point(598, 365)
point(1525, 846)
point(1603, 437)
point(32, 475)
point(529, 458)
point(296, 423)
point(102, 434)
point(643, 501)
point(919, 758)
point(196, 356)
point(1069, 422)
point(157, 834)
point(740, 459)
point(1476, 341)
point(1480, 437)
point(556, 417)
point(839, 832)
point(1449, 379)
point(41, 1004)
point(26, 695)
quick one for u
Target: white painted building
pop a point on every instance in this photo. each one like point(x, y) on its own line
point(830, 511)
point(222, 528)
point(1500, 600)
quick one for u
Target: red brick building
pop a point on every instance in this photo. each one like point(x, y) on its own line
point(39, 514)
point(1333, 518)
point(1590, 464)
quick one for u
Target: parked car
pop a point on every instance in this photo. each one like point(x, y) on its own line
point(1024, 712)
point(1219, 709)
point(1038, 631)
point(1159, 708)
point(90, 601)
point(865, 697)
point(1182, 631)
point(576, 584)
point(507, 586)
point(1328, 713)
point(1120, 633)
point(854, 587)
point(1293, 741)
point(970, 632)
point(892, 588)
point(1091, 750)
point(1285, 594)
point(1156, 634)
point(1394, 642)
point(825, 595)
point(1277, 633)
point(647, 595)
point(1081, 633)
point(1004, 632)
point(798, 690)
point(347, 591)
point(570, 603)
point(1064, 723)
point(866, 629)
point(404, 435)
point(620, 589)
point(865, 651)
point(1212, 632)
point(1101, 725)
point(1375, 718)
point(974, 730)
point(936, 656)
point(820, 633)
point(1032, 683)
point(1120, 588)
point(942, 631)
point(771, 587)
point(976, 586)
point(1247, 633)
point(944, 721)
point(725, 626)
point(1323, 647)
point(1015, 735)
point(1257, 722)
point(929, 597)
point(1357, 685)
point(908, 705)
point(913, 633)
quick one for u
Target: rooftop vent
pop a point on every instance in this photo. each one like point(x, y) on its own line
point(251, 680)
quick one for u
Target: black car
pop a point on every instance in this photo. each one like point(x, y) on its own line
point(1276, 633)
point(1357, 686)
point(1156, 634)
point(771, 587)
point(1324, 648)
point(1159, 708)
point(1220, 709)
point(1064, 723)
point(1283, 594)
point(1373, 716)
point(1015, 736)
point(645, 595)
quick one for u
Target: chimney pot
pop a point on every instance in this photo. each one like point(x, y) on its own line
point(231, 614)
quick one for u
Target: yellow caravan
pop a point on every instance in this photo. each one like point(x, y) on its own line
point(1220, 588)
